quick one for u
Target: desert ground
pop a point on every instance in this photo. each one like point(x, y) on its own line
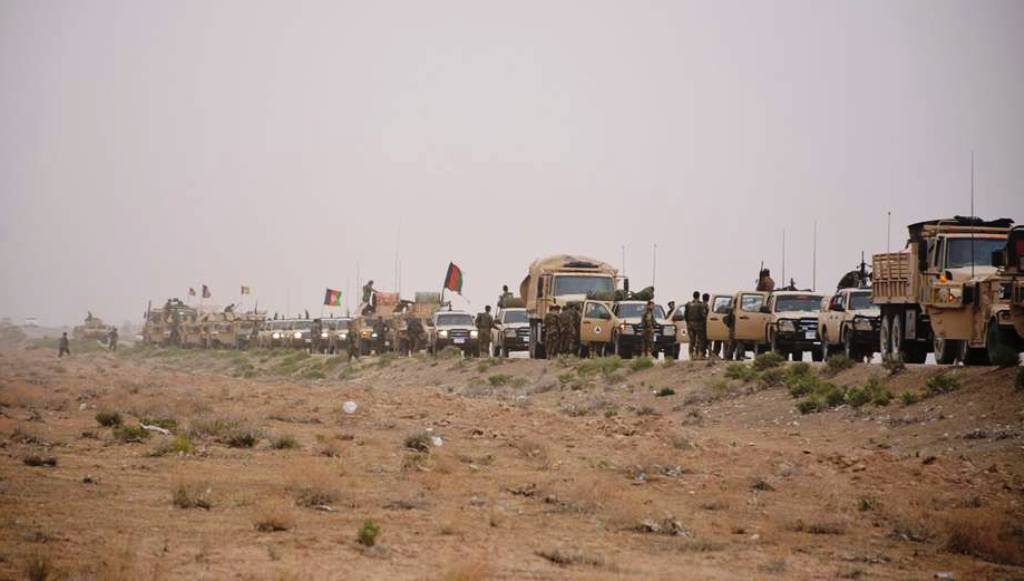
point(466, 469)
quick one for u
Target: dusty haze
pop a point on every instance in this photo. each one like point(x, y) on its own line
point(152, 146)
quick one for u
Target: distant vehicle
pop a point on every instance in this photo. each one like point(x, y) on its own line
point(937, 294)
point(627, 336)
point(512, 332)
point(793, 324)
point(335, 335)
point(455, 329)
point(850, 324)
point(93, 328)
point(560, 280)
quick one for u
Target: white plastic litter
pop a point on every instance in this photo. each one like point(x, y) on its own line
point(437, 441)
point(349, 407)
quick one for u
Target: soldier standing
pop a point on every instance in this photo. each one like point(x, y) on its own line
point(648, 325)
point(484, 324)
point(552, 340)
point(706, 298)
point(415, 330)
point(112, 339)
point(368, 291)
point(765, 282)
point(353, 341)
point(63, 346)
point(314, 336)
point(566, 333)
point(696, 321)
point(505, 295)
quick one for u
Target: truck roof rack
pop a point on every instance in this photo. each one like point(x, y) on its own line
point(917, 229)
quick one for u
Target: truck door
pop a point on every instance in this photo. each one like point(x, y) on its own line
point(596, 323)
point(750, 321)
point(720, 306)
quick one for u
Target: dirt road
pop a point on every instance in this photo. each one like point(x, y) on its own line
point(516, 470)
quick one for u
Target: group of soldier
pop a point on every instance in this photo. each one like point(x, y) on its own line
point(562, 330)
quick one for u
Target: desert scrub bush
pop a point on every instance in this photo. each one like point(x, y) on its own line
point(811, 405)
point(837, 363)
point(284, 442)
point(499, 379)
point(641, 363)
point(767, 360)
point(979, 538)
point(419, 441)
point(273, 519)
point(108, 419)
point(191, 496)
point(771, 377)
point(449, 352)
point(909, 398)
point(230, 432)
point(741, 371)
point(857, 397)
point(314, 493)
point(160, 422)
point(880, 395)
point(129, 434)
point(1005, 357)
point(821, 395)
point(665, 392)
point(942, 383)
point(368, 533)
point(599, 365)
point(566, 378)
point(38, 567)
point(893, 366)
point(179, 444)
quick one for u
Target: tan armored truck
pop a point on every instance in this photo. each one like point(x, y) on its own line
point(164, 326)
point(563, 279)
point(627, 336)
point(747, 322)
point(92, 328)
point(1011, 290)
point(937, 293)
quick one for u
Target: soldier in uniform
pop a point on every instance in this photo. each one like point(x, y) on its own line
point(417, 337)
point(368, 290)
point(706, 298)
point(567, 331)
point(765, 282)
point(484, 324)
point(112, 339)
point(505, 295)
point(353, 341)
point(696, 321)
point(63, 346)
point(648, 325)
point(314, 335)
point(552, 338)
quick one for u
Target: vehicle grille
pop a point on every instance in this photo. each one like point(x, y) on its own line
point(523, 332)
point(453, 333)
point(805, 325)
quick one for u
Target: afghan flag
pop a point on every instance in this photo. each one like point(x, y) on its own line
point(332, 298)
point(206, 292)
point(453, 280)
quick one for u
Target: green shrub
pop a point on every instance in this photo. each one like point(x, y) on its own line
point(801, 385)
point(878, 393)
point(799, 369)
point(108, 419)
point(604, 365)
point(665, 392)
point(771, 377)
point(284, 442)
point(741, 372)
point(368, 533)
point(857, 397)
point(243, 437)
point(834, 396)
point(942, 383)
point(1005, 357)
point(909, 398)
point(567, 377)
point(812, 404)
point(176, 445)
point(768, 360)
point(128, 434)
point(641, 363)
point(893, 366)
point(837, 363)
point(420, 441)
point(499, 379)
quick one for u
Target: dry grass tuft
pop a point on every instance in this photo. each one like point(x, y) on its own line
point(273, 518)
point(980, 537)
point(313, 485)
point(193, 495)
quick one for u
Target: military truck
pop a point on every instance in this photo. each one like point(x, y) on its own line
point(334, 338)
point(92, 328)
point(164, 326)
point(849, 324)
point(563, 279)
point(453, 329)
point(1011, 290)
point(627, 336)
point(512, 332)
point(936, 295)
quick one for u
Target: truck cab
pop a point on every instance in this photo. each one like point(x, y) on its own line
point(793, 324)
point(849, 324)
point(627, 336)
point(512, 332)
point(453, 329)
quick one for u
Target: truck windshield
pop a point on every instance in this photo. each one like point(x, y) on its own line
point(861, 300)
point(804, 303)
point(515, 317)
point(581, 285)
point(302, 325)
point(335, 324)
point(960, 253)
point(461, 320)
point(636, 310)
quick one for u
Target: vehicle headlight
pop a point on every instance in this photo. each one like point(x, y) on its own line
point(787, 326)
point(297, 335)
point(626, 329)
point(474, 334)
point(510, 332)
point(374, 335)
point(344, 336)
point(275, 335)
point(668, 330)
point(323, 335)
point(442, 334)
point(862, 324)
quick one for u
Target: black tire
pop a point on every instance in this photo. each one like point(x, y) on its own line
point(774, 347)
point(673, 352)
point(971, 356)
point(537, 350)
point(946, 350)
point(798, 356)
point(899, 346)
point(996, 339)
point(817, 355)
point(850, 349)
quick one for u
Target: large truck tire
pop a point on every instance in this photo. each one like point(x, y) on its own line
point(946, 350)
point(536, 347)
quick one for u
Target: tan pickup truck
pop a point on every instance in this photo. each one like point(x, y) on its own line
point(849, 324)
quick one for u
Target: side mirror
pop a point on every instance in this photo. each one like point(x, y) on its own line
point(765, 309)
point(999, 258)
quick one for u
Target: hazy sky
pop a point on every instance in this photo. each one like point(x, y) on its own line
point(146, 147)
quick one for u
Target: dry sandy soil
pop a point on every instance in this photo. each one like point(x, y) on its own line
point(544, 471)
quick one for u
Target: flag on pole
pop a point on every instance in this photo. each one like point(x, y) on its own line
point(206, 292)
point(453, 279)
point(332, 298)
point(246, 290)
point(191, 292)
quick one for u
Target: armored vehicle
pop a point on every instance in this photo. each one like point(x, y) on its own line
point(93, 328)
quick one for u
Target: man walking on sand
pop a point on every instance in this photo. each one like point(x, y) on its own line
point(63, 346)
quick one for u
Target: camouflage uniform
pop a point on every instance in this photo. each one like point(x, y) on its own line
point(567, 330)
point(765, 283)
point(415, 331)
point(314, 336)
point(696, 320)
point(552, 338)
point(484, 324)
point(353, 341)
point(112, 338)
point(648, 325)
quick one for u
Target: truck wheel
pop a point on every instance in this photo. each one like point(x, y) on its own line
point(774, 342)
point(899, 346)
point(536, 347)
point(817, 355)
point(621, 350)
point(850, 349)
point(885, 338)
point(971, 356)
point(996, 340)
point(946, 350)
point(799, 356)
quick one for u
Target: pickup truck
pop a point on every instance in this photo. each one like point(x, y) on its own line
point(512, 332)
point(850, 324)
point(453, 329)
point(627, 337)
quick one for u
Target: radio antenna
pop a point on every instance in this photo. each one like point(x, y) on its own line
point(972, 213)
